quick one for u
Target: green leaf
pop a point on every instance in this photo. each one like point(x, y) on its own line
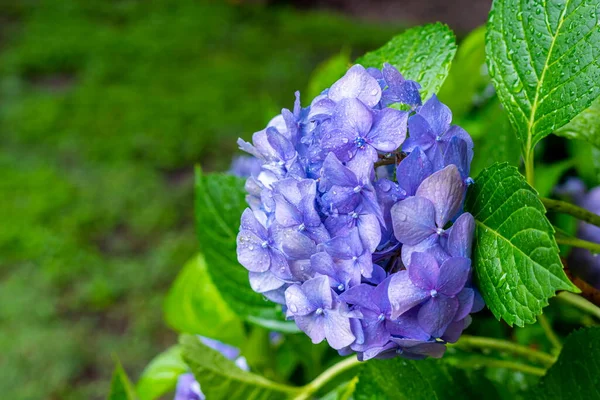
point(430, 379)
point(120, 386)
point(576, 374)
point(543, 57)
point(327, 73)
point(220, 378)
point(160, 376)
point(423, 54)
point(194, 305)
point(220, 201)
point(585, 126)
point(468, 75)
point(515, 255)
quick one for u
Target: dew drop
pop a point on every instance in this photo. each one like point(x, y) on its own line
point(517, 86)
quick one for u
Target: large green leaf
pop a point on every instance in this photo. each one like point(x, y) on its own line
point(468, 75)
point(120, 386)
point(220, 378)
point(544, 59)
point(514, 252)
point(160, 376)
point(585, 126)
point(576, 374)
point(194, 305)
point(423, 54)
point(219, 206)
point(402, 379)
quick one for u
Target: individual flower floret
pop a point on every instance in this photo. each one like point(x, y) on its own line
point(420, 221)
point(431, 286)
point(319, 313)
point(430, 129)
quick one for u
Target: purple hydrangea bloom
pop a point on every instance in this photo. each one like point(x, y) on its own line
point(374, 263)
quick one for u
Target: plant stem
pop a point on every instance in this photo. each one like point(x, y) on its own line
point(529, 172)
point(584, 244)
point(515, 366)
point(571, 209)
point(580, 303)
point(467, 341)
point(320, 381)
point(550, 333)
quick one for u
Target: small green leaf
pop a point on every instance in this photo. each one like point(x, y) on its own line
point(220, 378)
point(544, 59)
point(194, 305)
point(402, 379)
point(576, 374)
point(515, 255)
point(327, 73)
point(423, 54)
point(160, 376)
point(468, 75)
point(220, 201)
point(120, 386)
point(585, 126)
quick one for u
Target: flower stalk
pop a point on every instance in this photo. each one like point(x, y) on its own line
point(470, 342)
point(567, 208)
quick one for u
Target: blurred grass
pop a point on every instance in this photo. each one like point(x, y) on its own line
point(104, 108)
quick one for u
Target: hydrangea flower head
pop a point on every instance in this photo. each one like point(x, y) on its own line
point(355, 223)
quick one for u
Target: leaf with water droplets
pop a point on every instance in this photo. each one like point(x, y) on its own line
point(515, 255)
point(545, 63)
point(220, 201)
point(402, 379)
point(576, 373)
point(423, 54)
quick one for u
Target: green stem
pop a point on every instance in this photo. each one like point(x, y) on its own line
point(529, 171)
point(467, 341)
point(515, 366)
point(584, 244)
point(567, 208)
point(580, 303)
point(545, 324)
point(308, 390)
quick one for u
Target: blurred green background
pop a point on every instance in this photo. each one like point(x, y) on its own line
point(104, 108)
